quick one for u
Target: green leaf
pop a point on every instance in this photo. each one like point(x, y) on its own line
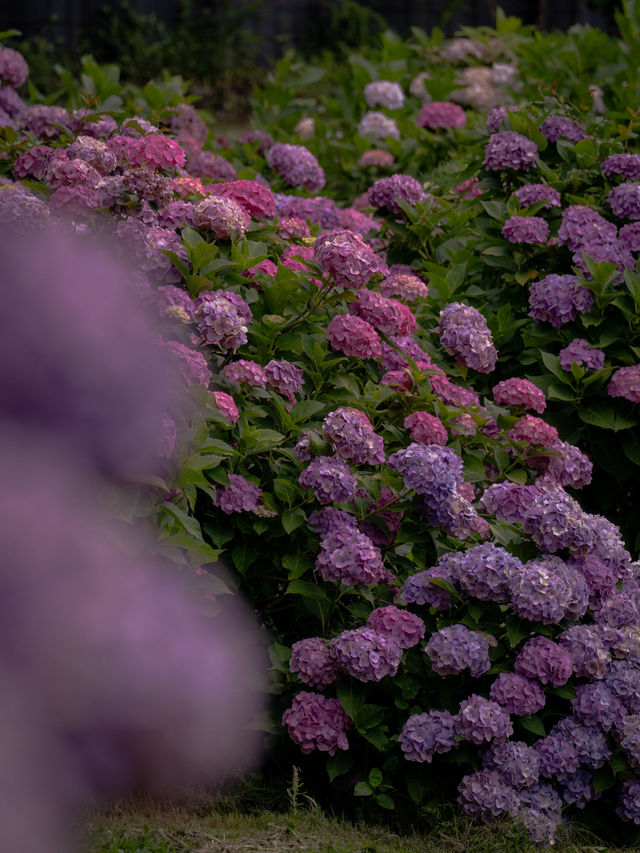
point(286, 490)
point(296, 565)
point(339, 764)
point(533, 724)
point(377, 738)
point(631, 447)
point(191, 237)
point(362, 790)
point(606, 417)
point(306, 409)
point(293, 518)
point(375, 778)
point(385, 801)
point(496, 209)
point(350, 697)
point(279, 656)
point(243, 556)
point(552, 363)
point(307, 589)
point(368, 717)
point(603, 779)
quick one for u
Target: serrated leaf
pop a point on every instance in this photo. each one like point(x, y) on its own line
point(350, 698)
point(606, 417)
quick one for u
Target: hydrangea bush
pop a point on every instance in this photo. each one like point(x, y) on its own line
point(416, 379)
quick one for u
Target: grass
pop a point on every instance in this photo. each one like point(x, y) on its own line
point(229, 824)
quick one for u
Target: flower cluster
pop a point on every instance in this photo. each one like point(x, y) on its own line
point(347, 259)
point(510, 150)
point(558, 299)
point(625, 382)
point(312, 662)
point(378, 126)
point(296, 165)
point(316, 722)
point(331, 479)
point(353, 336)
point(404, 286)
point(366, 655)
point(521, 393)
point(455, 648)
point(385, 193)
point(424, 735)
point(464, 332)
point(383, 93)
point(386, 315)
point(553, 127)
point(351, 434)
point(222, 319)
point(535, 193)
point(439, 114)
point(525, 229)
point(580, 352)
point(240, 495)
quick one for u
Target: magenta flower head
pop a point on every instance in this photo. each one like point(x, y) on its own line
point(316, 722)
point(625, 200)
point(464, 332)
point(365, 655)
point(426, 428)
point(545, 660)
point(424, 735)
point(221, 319)
point(517, 694)
point(225, 404)
point(625, 382)
point(440, 114)
point(157, 152)
point(404, 286)
point(510, 150)
point(347, 259)
point(581, 352)
point(256, 199)
point(239, 496)
point(331, 479)
point(376, 157)
point(224, 216)
point(296, 165)
point(525, 229)
point(349, 556)
point(385, 193)
point(311, 660)
point(386, 315)
point(353, 336)
point(520, 393)
point(400, 625)
point(13, 67)
point(245, 373)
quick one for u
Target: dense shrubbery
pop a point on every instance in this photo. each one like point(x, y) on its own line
point(401, 399)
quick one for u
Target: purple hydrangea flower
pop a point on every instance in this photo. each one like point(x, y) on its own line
point(525, 229)
point(316, 722)
point(438, 114)
point(557, 755)
point(351, 433)
point(629, 801)
point(625, 382)
point(553, 127)
point(485, 795)
point(545, 660)
point(457, 647)
point(419, 589)
point(365, 655)
point(224, 216)
point(596, 705)
point(587, 650)
point(311, 660)
point(320, 210)
point(286, 377)
point(384, 93)
point(353, 336)
point(329, 520)
point(517, 763)
point(349, 556)
point(628, 728)
point(480, 720)
point(331, 479)
point(510, 150)
point(623, 680)
point(534, 193)
point(464, 332)
point(378, 126)
point(424, 735)
point(517, 694)
point(589, 742)
point(629, 234)
point(627, 165)
point(540, 591)
point(430, 470)
point(625, 200)
point(567, 467)
point(540, 812)
point(221, 320)
point(585, 230)
point(296, 165)
point(385, 192)
point(558, 299)
point(484, 571)
point(192, 364)
point(21, 211)
point(582, 353)
point(509, 501)
point(405, 628)
point(347, 259)
point(556, 521)
point(386, 315)
point(618, 610)
point(240, 495)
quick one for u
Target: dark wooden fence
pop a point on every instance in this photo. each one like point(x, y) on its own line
point(297, 18)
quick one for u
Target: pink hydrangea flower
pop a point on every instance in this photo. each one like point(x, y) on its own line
point(226, 406)
point(404, 286)
point(345, 257)
point(317, 722)
point(157, 152)
point(286, 377)
point(353, 336)
point(256, 199)
point(223, 216)
point(386, 315)
point(376, 157)
point(245, 372)
point(426, 428)
point(520, 392)
point(625, 382)
point(437, 114)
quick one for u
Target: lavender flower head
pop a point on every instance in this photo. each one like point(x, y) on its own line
point(509, 501)
point(629, 801)
point(296, 165)
point(224, 216)
point(353, 336)
point(347, 259)
point(510, 150)
point(485, 795)
point(440, 114)
point(587, 650)
point(286, 377)
point(430, 470)
point(245, 373)
point(517, 694)
point(405, 628)
point(239, 496)
point(480, 720)
point(589, 742)
point(525, 229)
point(404, 286)
point(349, 556)
point(385, 94)
point(625, 382)
point(545, 660)
point(623, 680)
point(316, 722)
point(455, 648)
point(311, 660)
point(464, 332)
point(221, 321)
point(13, 67)
point(625, 200)
point(419, 589)
point(517, 763)
point(377, 125)
point(365, 655)
point(329, 520)
point(535, 193)
point(484, 572)
point(351, 433)
point(424, 735)
point(581, 352)
point(330, 478)
point(626, 165)
point(557, 756)
point(539, 592)
point(596, 705)
point(553, 127)
point(385, 193)
point(558, 299)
